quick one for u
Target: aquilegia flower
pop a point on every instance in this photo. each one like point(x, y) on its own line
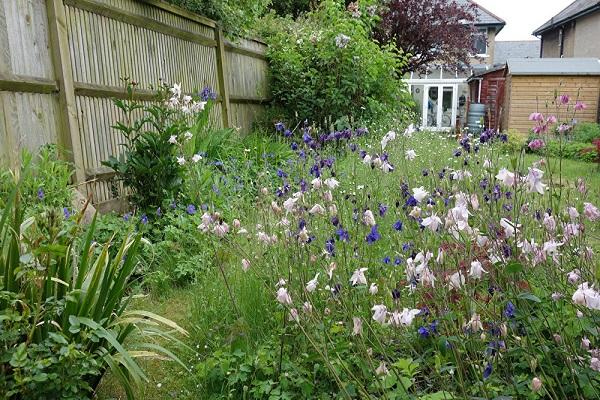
point(312, 284)
point(507, 177)
point(373, 236)
point(358, 277)
point(283, 296)
point(379, 313)
point(410, 155)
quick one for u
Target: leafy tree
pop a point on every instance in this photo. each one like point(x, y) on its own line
point(295, 8)
point(429, 31)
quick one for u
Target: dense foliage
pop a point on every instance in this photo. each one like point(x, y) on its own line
point(429, 32)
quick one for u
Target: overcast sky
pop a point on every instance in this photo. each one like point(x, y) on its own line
point(523, 16)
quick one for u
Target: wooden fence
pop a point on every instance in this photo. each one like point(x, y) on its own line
point(61, 63)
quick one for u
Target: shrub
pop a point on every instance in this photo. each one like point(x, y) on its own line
point(586, 132)
point(64, 306)
point(325, 67)
point(516, 141)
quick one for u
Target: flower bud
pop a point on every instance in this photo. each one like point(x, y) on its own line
point(536, 384)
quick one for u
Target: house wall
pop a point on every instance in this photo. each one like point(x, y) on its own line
point(527, 94)
point(491, 38)
point(588, 36)
point(551, 41)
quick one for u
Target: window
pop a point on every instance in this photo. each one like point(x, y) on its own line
point(480, 41)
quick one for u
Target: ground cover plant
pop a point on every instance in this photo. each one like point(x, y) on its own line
point(399, 265)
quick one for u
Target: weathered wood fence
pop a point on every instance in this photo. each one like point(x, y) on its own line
point(61, 63)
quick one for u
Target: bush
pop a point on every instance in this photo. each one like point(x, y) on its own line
point(325, 67)
point(570, 150)
point(586, 132)
point(516, 141)
point(64, 320)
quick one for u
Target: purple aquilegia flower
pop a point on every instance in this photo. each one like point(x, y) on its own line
point(208, 94)
point(279, 127)
point(487, 371)
point(191, 209)
point(509, 311)
point(144, 219)
point(373, 236)
point(580, 106)
point(398, 225)
point(536, 144)
point(343, 235)
point(382, 210)
point(564, 99)
point(66, 213)
point(126, 217)
point(423, 332)
point(40, 194)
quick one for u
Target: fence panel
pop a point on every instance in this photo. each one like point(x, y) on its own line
point(62, 61)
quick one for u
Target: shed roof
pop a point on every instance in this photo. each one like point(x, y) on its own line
point(554, 66)
point(574, 10)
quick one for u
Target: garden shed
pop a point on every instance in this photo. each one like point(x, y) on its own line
point(531, 85)
point(487, 87)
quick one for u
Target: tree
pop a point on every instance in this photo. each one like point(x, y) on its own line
point(439, 31)
point(295, 8)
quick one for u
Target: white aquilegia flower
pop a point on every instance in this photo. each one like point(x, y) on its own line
point(405, 318)
point(474, 324)
point(574, 276)
point(312, 284)
point(433, 222)
point(332, 183)
point(181, 160)
point(409, 131)
point(534, 181)
point(379, 313)
point(176, 90)
point(369, 218)
point(283, 296)
point(573, 213)
point(586, 295)
point(357, 328)
point(410, 155)
point(317, 209)
point(290, 204)
point(196, 158)
point(420, 193)
point(476, 271)
point(173, 139)
point(456, 280)
point(316, 183)
point(373, 289)
point(188, 135)
point(358, 277)
point(382, 369)
point(591, 212)
point(507, 177)
point(388, 137)
point(510, 228)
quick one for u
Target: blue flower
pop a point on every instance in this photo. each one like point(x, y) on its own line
point(126, 216)
point(387, 260)
point(398, 261)
point(158, 212)
point(281, 173)
point(40, 194)
point(66, 213)
point(509, 311)
point(406, 246)
point(382, 209)
point(373, 236)
point(191, 209)
point(411, 202)
point(294, 146)
point(330, 247)
point(343, 235)
point(279, 126)
point(398, 225)
point(287, 133)
point(487, 371)
point(423, 332)
point(144, 219)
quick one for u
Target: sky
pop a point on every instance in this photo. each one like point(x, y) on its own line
point(523, 16)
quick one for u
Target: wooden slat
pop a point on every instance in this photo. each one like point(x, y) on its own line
point(181, 12)
point(139, 21)
point(221, 76)
point(233, 48)
point(27, 84)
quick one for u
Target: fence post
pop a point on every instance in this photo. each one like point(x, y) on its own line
point(222, 77)
point(61, 60)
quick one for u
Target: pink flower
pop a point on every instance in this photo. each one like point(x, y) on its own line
point(552, 119)
point(591, 211)
point(538, 129)
point(536, 144)
point(580, 106)
point(536, 116)
point(564, 99)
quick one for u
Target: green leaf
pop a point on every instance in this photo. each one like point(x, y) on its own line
point(514, 267)
point(529, 296)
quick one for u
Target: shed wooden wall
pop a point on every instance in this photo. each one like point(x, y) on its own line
point(61, 62)
point(527, 94)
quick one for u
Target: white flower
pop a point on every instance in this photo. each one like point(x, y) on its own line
point(382, 369)
point(196, 158)
point(290, 204)
point(316, 183)
point(420, 193)
point(427, 277)
point(456, 280)
point(591, 211)
point(367, 159)
point(573, 213)
point(294, 315)
point(587, 295)
point(379, 313)
point(373, 289)
point(357, 328)
point(317, 209)
point(433, 222)
point(391, 135)
point(507, 177)
point(332, 183)
point(358, 277)
point(574, 276)
point(405, 318)
point(180, 160)
point(176, 90)
point(476, 270)
point(303, 236)
point(186, 99)
point(307, 307)
point(245, 265)
point(221, 229)
point(188, 135)
point(312, 284)
point(474, 323)
point(415, 212)
point(510, 228)
point(342, 40)
point(283, 296)
point(487, 163)
point(369, 218)
point(534, 180)
point(173, 139)
point(408, 132)
point(328, 196)
point(549, 222)
point(410, 155)
point(551, 248)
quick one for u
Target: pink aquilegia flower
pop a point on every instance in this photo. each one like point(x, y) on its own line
point(580, 106)
point(591, 211)
point(283, 296)
point(586, 295)
point(552, 119)
point(564, 99)
point(245, 265)
point(536, 116)
point(536, 144)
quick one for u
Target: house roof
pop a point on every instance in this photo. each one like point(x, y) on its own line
point(504, 50)
point(575, 10)
point(554, 66)
point(483, 16)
